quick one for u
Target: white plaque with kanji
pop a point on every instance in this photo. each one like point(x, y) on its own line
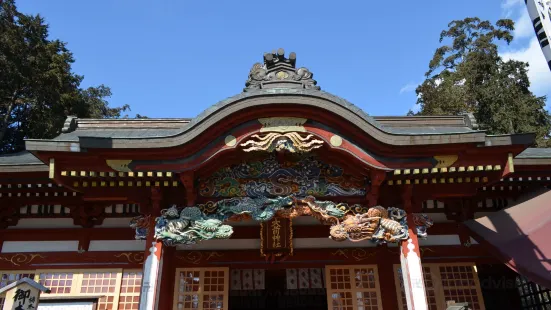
point(22, 295)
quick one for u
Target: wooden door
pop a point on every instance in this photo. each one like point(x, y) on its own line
point(353, 287)
point(201, 289)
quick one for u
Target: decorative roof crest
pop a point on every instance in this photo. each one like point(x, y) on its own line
point(279, 72)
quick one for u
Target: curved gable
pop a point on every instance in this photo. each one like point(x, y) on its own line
point(275, 87)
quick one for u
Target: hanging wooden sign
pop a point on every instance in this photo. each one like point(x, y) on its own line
point(276, 237)
point(23, 294)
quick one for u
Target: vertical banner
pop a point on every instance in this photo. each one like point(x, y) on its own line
point(276, 237)
point(540, 14)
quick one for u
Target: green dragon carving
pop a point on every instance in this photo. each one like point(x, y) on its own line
point(190, 225)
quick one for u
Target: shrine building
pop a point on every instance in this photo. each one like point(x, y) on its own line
point(281, 197)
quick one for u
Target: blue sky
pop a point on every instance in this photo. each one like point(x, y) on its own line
point(176, 58)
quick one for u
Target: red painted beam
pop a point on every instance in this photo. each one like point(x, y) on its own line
point(70, 260)
point(312, 258)
point(60, 234)
point(309, 258)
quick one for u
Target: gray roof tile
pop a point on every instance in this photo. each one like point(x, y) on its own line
point(21, 158)
point(535, 153)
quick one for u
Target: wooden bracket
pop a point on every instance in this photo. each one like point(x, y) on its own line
point(87, 215)
point(8, 216)
point(467, 213)
point(407, 198)
point(188, 180)
point(459, 209)
point(156, 200)
point(84, 243)
point(377, 178)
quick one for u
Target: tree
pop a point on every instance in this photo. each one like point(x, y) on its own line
point(468, 76)
point(38, 90)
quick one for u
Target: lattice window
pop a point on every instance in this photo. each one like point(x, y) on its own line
point(106, 303)
point(57, 282)
point(119, 290)
point(460, 284)
point(533, 296)
point(353, 287)
point(446, 282)
point(98, 282)
point(105, 283)
point(130, 291)
point(201, 288)
point(429, 288)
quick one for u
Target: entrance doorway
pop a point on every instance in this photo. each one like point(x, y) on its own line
point(278, 293)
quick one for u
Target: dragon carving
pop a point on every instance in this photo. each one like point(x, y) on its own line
point(141, 225)
point(191, 225)
point(422, 223)
point(188, 226)
point(375, 225)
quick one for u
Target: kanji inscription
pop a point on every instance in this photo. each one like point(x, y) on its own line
point(277, 237)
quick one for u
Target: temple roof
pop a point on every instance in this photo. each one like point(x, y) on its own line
point(121, 128)
point(535, 153)
point(275, 82)
point(21, 162)
point(123, 133)
point(165, 127)
point(534, 156)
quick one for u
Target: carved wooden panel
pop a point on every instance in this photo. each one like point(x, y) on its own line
point(353, 287)
point(201, 288)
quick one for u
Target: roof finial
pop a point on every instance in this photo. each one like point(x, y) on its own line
point(279, 72)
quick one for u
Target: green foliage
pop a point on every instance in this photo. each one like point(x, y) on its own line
point(37, 88)
point(468, 76)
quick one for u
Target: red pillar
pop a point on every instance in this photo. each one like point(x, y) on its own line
point(166, 292)
point(410, 258)
point(387, 284)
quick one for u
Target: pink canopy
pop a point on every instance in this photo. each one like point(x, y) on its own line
point(520, 236)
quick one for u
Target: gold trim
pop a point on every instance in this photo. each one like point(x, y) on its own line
point(230, 140)
point(511, 162)
point(119, 164)
point(195, 257)
point(132, 258)
point(51, 173)
point(444, 161)
point(357, 254)
point(282, 124)
point(335, 140)
point(19, 259)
